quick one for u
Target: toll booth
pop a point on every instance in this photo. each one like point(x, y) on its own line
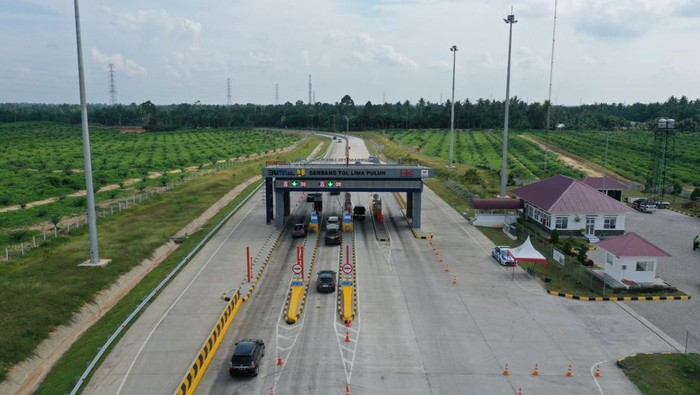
point(313, 222)
point(347, 221)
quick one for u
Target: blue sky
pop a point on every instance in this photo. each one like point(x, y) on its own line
point(181, 52)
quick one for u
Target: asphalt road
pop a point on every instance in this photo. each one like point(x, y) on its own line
point(418, 331)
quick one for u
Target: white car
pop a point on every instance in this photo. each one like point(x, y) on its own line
point(333, 223)
point(500, 254)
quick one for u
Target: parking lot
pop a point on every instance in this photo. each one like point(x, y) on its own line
point(674, 233)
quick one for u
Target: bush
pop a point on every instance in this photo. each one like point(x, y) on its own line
point(554, 236)
point(582, 255)
point(695, 194)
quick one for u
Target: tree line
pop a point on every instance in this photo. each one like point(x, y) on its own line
point(480, 114)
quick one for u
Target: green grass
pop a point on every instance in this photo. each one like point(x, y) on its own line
point(662, 374)
point(49, 273)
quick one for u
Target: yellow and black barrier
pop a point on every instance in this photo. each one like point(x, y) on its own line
point(206, 353)
point(618, 298)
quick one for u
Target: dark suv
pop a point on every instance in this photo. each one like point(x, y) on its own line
point(299, 230)
point(333, 237)
point(246, 358)
point(325, 281)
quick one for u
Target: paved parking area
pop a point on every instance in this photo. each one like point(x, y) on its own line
point(674, 233)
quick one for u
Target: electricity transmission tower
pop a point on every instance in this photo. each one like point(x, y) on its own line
point(309, 89)
point(277, 94)
point(661, 155)
point(112, 86)
point(228, 91)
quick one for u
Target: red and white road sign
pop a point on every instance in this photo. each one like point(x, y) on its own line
point(296, 268)
point(347, 268)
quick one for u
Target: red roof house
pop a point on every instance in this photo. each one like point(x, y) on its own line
point(630, 258)
point(571, 207)
point(606, 185)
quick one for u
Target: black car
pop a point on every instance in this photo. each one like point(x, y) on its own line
point(299, 230)
point(325, 281)
point(310, 197)
point(333, 237)
point(246, 358)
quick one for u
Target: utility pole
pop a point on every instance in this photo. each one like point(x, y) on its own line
point(112, 86)
point(453, 49)
point(228, 91)
point(510, 20)
point(90, 192)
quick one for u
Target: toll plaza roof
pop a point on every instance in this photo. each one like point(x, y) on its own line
point(346, 171)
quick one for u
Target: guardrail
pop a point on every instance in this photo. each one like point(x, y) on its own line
point(147, 299)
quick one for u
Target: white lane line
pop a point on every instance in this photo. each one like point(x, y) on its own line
point(595, 379)
point(146, 340)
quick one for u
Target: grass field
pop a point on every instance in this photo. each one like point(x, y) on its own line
point(663, 374)
point(42, 289)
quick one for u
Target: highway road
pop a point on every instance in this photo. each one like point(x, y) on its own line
point(420, 329)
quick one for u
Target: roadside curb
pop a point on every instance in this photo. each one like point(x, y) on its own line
point(684, 213)
point(621, 361)
point(617, 299)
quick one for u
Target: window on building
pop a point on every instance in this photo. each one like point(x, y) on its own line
point(610, 223)
point(645, 266)
point(561, 222)
point(538, 215)
point(609, 258)
point(546, 220)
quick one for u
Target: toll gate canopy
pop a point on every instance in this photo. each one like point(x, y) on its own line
point(281, 178)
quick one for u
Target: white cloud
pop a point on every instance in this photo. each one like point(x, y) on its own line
point(132, 68)
point(260, 57)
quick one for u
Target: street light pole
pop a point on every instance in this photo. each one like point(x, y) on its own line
point(90, 193)
point(510, 20)
point(453, 49)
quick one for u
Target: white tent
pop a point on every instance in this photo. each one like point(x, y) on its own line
point(526, 252)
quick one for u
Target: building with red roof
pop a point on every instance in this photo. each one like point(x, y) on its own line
point(572, 207)
point(631, 259)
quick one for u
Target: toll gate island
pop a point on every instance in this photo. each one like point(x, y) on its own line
point(281, 178)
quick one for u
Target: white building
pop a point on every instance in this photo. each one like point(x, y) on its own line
point(631, 259)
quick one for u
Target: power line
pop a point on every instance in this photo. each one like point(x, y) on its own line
point(112, 86)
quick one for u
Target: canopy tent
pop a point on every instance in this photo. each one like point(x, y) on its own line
point(526, 252)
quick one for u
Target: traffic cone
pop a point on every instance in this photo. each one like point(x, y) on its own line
point(348, 323)
point(506, 372)
point(569, 372)
point(447, 267)
point(520, 391)
point(597, 371)
point(347, 337)
point(454, 279)
point(279, 360)
point(272, 391)
point(536, 372)
point(347, 389)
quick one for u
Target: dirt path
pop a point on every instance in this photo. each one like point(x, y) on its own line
point(591, 169)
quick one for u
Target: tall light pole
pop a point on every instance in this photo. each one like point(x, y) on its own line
point(510, 20)
point(549, 97)
point(453, 49)
point(90, 193)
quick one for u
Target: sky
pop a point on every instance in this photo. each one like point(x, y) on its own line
point(172, 52)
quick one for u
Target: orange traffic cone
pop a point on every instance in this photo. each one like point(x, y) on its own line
point(569, 372)
point(506, 372)
point(597, 371)
point(454, 279)
point(536, 372)
point(279, 360)
point(272, 391)
point(347, 337)
point(347, 323)
point(347, 389)
point(520, 391)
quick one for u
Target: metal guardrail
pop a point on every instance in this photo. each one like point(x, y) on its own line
point(155, 290)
